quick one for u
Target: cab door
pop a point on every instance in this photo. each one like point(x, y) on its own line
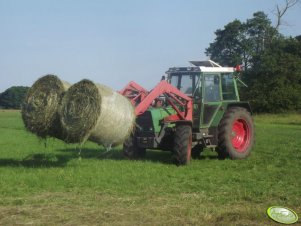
point(211, 97)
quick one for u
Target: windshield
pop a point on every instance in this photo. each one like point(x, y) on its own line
point(187, 83)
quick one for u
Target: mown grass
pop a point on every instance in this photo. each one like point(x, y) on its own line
point(60, 184)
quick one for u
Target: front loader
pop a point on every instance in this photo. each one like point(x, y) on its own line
point(193, 108)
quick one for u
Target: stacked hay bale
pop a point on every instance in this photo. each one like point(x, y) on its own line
point(53, 108)
point(96, 112)
point(40, 107)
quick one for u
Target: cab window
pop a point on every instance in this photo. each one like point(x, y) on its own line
point(211, 85)
point(174, 80)
point(228, 88)
point(186, 83)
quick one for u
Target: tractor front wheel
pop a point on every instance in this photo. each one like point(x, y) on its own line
point(131, 150)
point(182, 144)
point(235, 134)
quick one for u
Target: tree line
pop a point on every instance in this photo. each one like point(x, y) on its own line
point(13, 97)
point(271, 61)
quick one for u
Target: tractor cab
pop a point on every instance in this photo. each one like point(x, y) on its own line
point(206, 80)
point(209, 85)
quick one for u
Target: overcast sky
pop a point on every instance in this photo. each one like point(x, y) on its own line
point(115, 41)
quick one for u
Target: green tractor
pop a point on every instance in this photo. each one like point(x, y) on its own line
point(193, 108)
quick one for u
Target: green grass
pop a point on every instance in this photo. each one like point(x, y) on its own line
point(54, 183)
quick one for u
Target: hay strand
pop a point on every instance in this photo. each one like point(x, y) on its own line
point(96, 112)
point(40, 107)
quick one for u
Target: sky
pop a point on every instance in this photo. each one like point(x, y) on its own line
point(114, 42)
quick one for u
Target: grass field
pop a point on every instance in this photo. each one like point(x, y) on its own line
point(52, 183)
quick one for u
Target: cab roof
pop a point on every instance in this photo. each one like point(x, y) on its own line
point(201, 66)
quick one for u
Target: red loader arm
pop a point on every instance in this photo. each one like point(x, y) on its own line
point(134, 92)
point(173, 96)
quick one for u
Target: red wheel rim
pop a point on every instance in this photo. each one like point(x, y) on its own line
point(240, 135)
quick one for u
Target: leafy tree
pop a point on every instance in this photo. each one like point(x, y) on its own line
point(275, 79)
point(259, 32)
point(272, 62)
point(239, 42)
point(13, 97)
point(227, 46)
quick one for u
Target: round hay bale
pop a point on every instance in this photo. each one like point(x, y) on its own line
point(96, 112)
point(40, 107)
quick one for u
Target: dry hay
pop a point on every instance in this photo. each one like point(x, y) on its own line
point(96, 112)
point(40, 107)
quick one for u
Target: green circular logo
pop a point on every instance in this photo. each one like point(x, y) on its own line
point(282, 215)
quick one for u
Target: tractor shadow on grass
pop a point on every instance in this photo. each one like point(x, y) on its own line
point(116, 154)
point(40, 160)
point(60, 158)
point(156, 156)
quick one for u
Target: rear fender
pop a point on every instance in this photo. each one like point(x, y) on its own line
point(245, 105)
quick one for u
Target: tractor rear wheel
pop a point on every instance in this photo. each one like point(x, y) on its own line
point(235, 134)
point(182, 144)
point(131, 150)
